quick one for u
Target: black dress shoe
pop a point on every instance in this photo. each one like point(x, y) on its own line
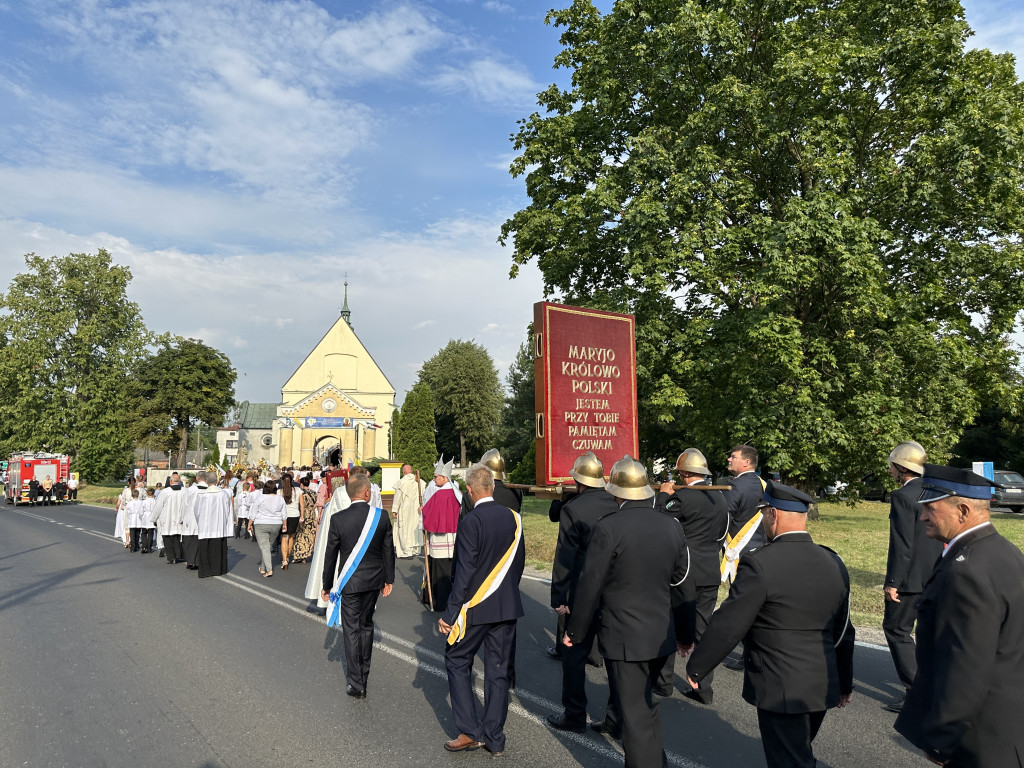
point(351, 690)
point(895, 706)
point(665, 693)
point(701, 697)
point(736, 665)
point(553, 652)
point(601, 726)
point(561, 723)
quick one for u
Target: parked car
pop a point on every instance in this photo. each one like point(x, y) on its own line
point(875, 488)
point(835, 488)
point(1011, 495)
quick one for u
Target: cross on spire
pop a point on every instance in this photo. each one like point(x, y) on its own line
point(345, 311)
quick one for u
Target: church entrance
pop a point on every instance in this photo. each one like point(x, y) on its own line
point(327, 450)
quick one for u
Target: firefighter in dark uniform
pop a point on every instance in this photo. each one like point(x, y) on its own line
point(635, 575)
point(790, 605)
point(912, 556)
point(507, 497)
point(704, 516)
point(964, 707)
point(576, 519)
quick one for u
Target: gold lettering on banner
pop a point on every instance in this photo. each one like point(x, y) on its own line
point(591, 371)
point(592, 387)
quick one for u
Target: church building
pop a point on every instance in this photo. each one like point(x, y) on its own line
point(335, 407)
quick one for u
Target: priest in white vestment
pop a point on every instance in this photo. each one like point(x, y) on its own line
point(167, 514)
point(190, 523)
point(213, 512)
point(405, 512)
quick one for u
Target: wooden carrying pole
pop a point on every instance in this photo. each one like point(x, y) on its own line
point(426, 546)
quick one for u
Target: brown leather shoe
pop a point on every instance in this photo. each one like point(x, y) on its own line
point(462, 743)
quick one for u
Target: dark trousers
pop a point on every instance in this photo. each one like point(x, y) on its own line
point(147, 539)
point(172, 547)
point(574, 675)
point(707, 597)
point(72, 494)
point(897, 624)
point(786, 738)
point(357, 626)
point(632, 683)
point(190, 548)
point(496, 640)
point(242, 526)
point(45, 496)
point(133, 539)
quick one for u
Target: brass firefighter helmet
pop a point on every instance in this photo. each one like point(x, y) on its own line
point(493, 461)
point(909, 454)
point(628, 480)
point(588, 470)
point(693, 461)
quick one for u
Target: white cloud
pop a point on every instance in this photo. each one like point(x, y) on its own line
point(490, 81)
point(448, 278)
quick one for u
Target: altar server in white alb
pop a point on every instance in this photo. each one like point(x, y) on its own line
point(167, 512)
point(147, 525)
point(212, 508)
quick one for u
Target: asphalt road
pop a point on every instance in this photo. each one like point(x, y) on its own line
point(115, 659)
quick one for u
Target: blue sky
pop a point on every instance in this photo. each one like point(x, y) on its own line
point(242, 155)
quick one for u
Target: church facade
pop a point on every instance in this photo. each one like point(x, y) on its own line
point(336, 406)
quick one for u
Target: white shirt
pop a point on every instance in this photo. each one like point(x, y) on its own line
point(961, 535)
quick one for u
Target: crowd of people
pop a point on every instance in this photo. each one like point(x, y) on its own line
point(636, 572)
point(48, 491)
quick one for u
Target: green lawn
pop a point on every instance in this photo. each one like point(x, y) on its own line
point(860, 534)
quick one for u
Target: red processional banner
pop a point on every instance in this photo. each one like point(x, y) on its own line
point(585, 388)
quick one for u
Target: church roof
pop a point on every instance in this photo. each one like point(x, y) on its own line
point(256, 415)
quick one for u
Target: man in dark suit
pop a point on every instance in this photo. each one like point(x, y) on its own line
point(576, 520)
point(744, 499)
point(964, 707)
point(482, 611)
point(704, 516)
point(635, 575)
point(912, 555)
point(366, 576)
point(790, 605)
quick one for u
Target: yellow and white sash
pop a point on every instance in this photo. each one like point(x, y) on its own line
point(490, 584)
point(735, 544)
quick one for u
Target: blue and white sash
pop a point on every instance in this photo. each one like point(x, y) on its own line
point(356, 557)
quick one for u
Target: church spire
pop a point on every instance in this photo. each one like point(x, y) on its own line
point(345, 311)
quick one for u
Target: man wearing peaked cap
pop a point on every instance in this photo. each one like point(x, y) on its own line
point(964, 706)
point(790, 605)
point(635, 574)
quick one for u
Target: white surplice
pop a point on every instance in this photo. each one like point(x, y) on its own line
point(315, 581)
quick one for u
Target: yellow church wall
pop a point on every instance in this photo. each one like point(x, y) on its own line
point(340, 368)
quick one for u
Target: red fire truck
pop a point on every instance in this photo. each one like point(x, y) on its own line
point(22, 467)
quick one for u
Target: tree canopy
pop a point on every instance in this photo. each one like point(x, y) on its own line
point(186, 383)
point(517, 417)
point(414, 440)
point(814, 211)
point(70, 340)
point(467, 397)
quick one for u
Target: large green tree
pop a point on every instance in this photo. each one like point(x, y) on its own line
point(184, 384)
point(415, 444)
point(814, 211)
point(69, 341)
point(467, 397)
point(517, 416)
